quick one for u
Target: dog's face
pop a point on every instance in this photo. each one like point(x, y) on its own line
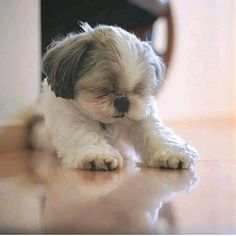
point(109, 73)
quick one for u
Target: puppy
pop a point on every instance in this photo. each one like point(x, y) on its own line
point(99, 94)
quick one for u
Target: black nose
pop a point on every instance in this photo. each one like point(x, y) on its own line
point(121, 104)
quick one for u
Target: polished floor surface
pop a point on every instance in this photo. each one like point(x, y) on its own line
point(38, 196)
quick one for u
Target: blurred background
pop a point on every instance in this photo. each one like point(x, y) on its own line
point(196, 39)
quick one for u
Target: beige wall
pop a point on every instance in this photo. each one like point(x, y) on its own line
point(234, 67)
point(200, 81)
point(20, 55)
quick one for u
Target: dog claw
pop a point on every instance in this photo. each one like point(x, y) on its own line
point(108, 164)
point(93, 165)
point(180, 165)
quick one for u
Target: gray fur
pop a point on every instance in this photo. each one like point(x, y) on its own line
point(95, 51)
point(63, 62)
point(111, 78)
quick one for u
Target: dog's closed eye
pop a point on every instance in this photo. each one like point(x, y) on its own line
point(143, 88)
point(139, 89)
point(104, 92)
point(110, 89)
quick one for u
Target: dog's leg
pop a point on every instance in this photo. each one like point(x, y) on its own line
point(79, 141)
point(158, 146)
point(94, 157)
point(85, 147)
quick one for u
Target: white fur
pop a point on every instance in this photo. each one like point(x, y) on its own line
point(79, 140)
point(75, 128)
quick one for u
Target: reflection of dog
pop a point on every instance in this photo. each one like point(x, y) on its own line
point(99, 91)
point(106, 203)
point(40, 197)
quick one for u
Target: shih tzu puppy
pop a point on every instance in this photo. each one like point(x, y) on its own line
point(99, 98)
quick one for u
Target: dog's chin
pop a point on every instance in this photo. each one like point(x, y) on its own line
point(107, 119)
point(126, 118)
point(111, 118)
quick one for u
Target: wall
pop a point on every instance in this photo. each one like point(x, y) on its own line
point(20, 56)
point(200, 81)
point(234, 67)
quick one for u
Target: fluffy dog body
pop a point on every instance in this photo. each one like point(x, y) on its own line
point(99, 97)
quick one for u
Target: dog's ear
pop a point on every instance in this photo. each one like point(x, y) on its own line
point(64, 62)
point(160, 69)
point(157, 63)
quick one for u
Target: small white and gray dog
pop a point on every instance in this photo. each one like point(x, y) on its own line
point(99, 98)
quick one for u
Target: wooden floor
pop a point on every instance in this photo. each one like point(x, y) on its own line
point(38, 196)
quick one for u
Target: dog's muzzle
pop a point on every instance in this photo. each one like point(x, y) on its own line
point(122, 106)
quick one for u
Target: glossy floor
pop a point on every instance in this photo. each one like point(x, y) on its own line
point(37, 195)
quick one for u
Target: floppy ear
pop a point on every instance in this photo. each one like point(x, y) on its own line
point(157, 63)
point(160, 69)
point(63, 63)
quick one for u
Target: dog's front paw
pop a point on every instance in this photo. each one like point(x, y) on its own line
point(182, 158)
point(102, 157)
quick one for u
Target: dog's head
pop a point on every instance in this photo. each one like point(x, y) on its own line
point(109, 73)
